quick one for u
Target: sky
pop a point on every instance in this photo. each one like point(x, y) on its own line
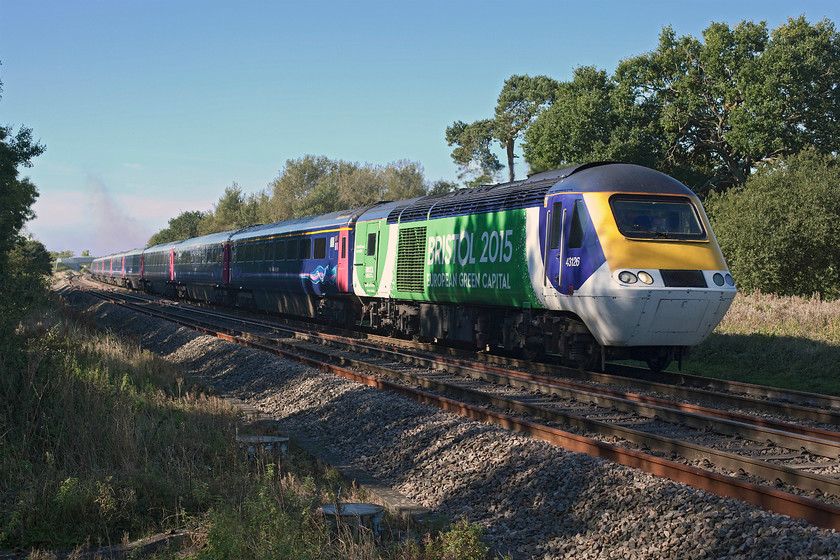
point(151, 108)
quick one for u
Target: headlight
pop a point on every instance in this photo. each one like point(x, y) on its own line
point(718, 278)
point(627, 277)
point(645, 277)
point(730, 280)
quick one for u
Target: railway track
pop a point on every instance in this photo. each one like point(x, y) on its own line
point(773, 463)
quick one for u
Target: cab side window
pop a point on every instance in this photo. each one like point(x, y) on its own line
point(580, 221)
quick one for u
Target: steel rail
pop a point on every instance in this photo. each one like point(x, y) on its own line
point(681, 385)
point(815, 512)
point(700, 382)
point(815, 440)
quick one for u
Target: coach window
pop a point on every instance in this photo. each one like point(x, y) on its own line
point(280, 251)
point(259, 252)
point(305, 247)
point(371, 244)
point(320, 248)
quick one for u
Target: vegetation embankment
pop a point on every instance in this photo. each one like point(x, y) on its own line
point(104, 443)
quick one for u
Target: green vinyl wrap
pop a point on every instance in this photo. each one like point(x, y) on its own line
point(480, 259)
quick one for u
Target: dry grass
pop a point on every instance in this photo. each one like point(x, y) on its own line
point(772, 315)
point(789, 342)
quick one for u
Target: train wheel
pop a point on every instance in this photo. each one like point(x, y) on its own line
point(533, 351)
point(586, 354)
point(658, 360)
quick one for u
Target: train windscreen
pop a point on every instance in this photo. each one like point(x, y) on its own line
point(647, 217)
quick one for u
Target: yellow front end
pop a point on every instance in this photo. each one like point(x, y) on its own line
point(661, 292)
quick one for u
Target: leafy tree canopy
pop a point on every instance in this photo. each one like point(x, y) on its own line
point(30, 257)
point(317, 185)
point(16, 194)
point(779, 230)
point(592, 119)
point(306, 186)
point(708, 111)
point(235, 210)
point(522, 98)
point(183, 226)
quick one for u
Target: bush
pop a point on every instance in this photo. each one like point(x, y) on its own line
point(780, 230)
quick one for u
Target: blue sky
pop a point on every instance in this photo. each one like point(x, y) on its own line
point(150, 108)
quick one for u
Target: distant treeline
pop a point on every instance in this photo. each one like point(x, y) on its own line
point(306, 186)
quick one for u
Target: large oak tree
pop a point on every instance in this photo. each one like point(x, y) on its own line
point(707, 111)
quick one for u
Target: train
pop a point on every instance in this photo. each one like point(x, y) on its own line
point(587, 263)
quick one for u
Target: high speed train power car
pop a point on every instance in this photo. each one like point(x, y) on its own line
point(589, 262)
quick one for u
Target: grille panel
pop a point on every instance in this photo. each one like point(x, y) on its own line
point(684, 278)
point(411, 253)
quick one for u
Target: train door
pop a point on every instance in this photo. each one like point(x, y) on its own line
point(567, 221)
point(370, 255)
point(226, 264)
point(172, 265)
point(343, 279)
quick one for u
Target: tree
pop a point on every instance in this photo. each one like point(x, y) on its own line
point(66, 254)
point(183, 226)
point(592, 119)
point(16, 194)
point(403, 180)
point(779, 231)
point(234, 210)
point(22, 281)
point(296, 180)
point(442, 187)
point(522, 98)
point(473, 153)
point(310, 186)
point(740, 98)
point(30, 257)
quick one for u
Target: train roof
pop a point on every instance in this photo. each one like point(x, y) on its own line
point(614, 177)
point(478, 200)
point(308, 224)
point(590, 177)
point(384, 209)
point(118, 254)
point(161, 247)
point(209, 239)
